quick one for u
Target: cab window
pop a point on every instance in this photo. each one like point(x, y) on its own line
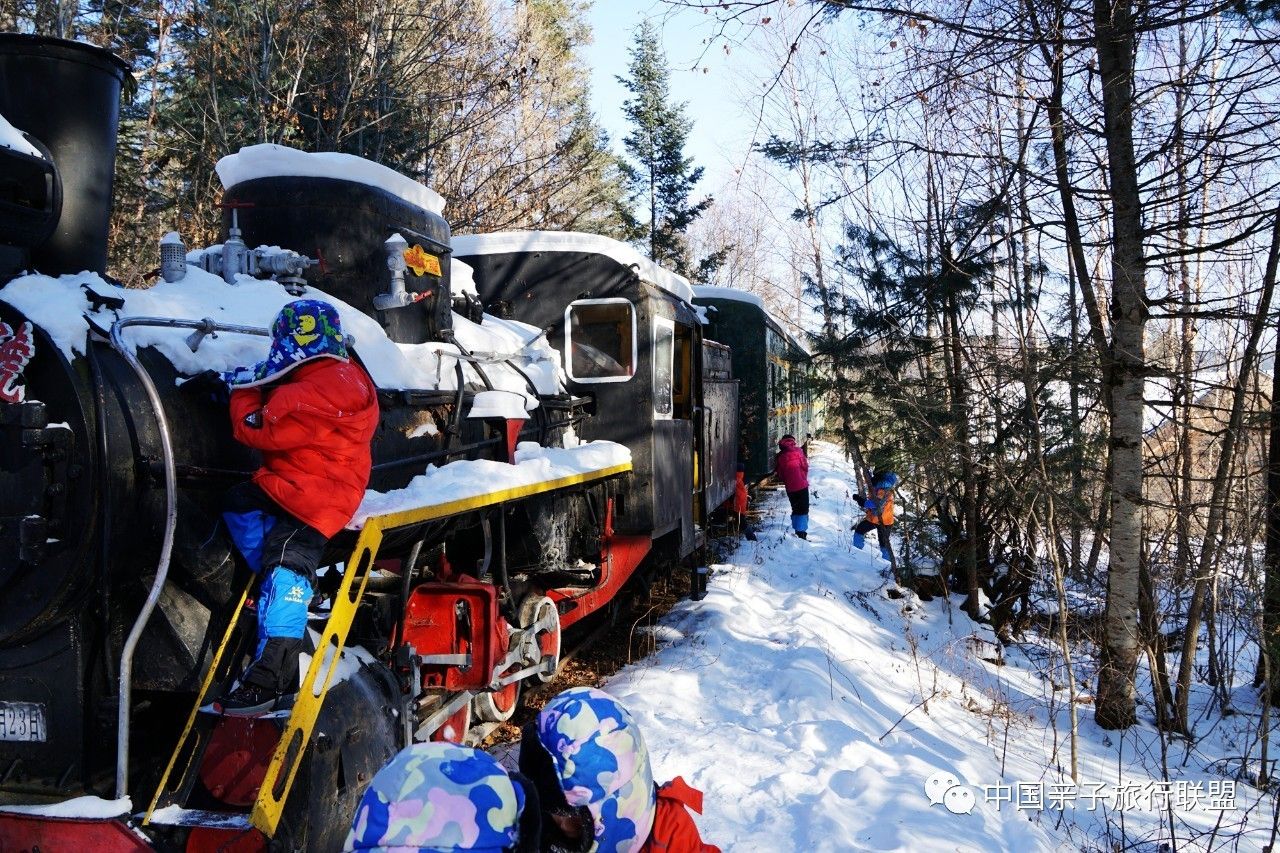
point(600, 340)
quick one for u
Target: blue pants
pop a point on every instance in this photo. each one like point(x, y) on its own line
point(282, 606)
point(267, 536)
point(882, 533)
point(266, 533)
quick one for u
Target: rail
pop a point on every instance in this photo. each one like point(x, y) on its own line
point(202, 327)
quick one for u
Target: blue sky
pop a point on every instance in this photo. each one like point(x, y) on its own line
point(721, 127)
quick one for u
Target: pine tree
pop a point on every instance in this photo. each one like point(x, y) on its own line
point(661, 178)
point(1259, 10)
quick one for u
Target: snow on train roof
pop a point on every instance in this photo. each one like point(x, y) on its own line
point(469, 478)
point(11, 137)
point(271, 161)
point(505, 242)
point(711, 291)
point(708, 291)
point(59, 306)
point(462, 278)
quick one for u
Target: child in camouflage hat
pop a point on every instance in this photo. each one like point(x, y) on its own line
point(445, 798)
point(590, 765)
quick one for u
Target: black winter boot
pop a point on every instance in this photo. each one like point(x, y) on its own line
point(268, 684)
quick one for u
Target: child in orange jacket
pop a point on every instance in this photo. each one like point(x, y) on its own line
point(878, 509)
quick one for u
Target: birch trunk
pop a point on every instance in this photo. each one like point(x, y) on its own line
point(1115, 41)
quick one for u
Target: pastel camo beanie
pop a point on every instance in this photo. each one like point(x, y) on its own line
point(441, 798)
point(603, 764)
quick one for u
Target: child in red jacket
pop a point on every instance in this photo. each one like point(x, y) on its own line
point(312, 413)
point(792, 468)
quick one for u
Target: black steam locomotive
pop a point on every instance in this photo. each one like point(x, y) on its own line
point(121, 600)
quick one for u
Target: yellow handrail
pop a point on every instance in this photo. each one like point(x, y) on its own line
point(195, 709)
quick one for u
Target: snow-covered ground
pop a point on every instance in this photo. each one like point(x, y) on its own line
point(818, 713)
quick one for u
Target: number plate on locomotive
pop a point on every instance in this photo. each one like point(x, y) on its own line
point(22, 721)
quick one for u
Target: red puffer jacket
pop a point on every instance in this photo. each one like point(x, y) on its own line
point(792, 466)
point(316, 425)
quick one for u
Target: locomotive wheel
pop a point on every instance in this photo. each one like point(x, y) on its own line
point(497, 706)
point(535, 608)
point(455, 728)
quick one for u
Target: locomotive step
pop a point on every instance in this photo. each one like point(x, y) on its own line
point(178, 816)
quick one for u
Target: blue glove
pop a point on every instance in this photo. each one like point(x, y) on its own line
point(871, 505)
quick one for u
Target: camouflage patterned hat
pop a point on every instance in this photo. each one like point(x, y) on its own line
point(438, 797)
point(603, 764)
point(303, 330)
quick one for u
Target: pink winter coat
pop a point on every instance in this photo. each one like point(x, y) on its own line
point(792, 466)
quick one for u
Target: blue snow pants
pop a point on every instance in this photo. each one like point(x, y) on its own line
point(270, 538)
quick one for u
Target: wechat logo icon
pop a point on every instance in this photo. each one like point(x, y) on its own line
point(946, 789)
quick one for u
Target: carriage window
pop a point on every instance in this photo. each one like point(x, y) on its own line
point(600, 339)
point(664, 362)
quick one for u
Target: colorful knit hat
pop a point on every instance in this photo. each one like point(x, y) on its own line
point(303, 330)
point(438, 797)
point(603, 764)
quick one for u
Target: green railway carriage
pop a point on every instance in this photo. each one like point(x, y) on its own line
point(774, 368)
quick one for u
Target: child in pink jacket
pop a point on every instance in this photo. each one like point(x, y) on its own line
point(792, 468)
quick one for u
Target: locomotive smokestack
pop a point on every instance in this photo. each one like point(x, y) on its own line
point(67, 96)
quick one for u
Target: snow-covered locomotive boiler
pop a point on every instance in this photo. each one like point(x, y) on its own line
point(112, 474)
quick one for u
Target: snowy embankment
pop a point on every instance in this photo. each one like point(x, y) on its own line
point(812, 708)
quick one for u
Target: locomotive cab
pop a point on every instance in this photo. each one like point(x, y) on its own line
point(633, 342)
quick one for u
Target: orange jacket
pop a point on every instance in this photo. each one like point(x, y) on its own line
point(314, 430)
point(879, 508)
point(740, 494)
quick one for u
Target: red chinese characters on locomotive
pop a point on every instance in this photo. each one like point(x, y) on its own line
point(16, 349)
